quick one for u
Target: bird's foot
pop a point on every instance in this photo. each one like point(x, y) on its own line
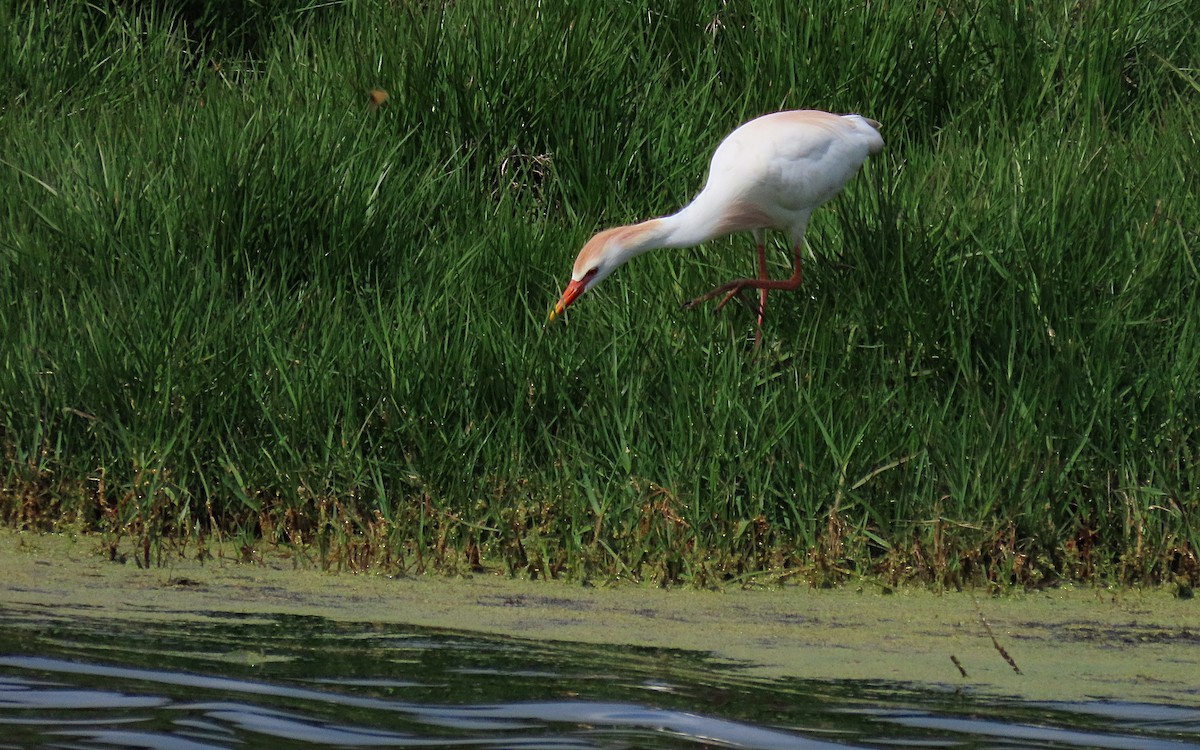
point(730, 290)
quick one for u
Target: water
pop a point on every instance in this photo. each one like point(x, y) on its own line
point(71, 680)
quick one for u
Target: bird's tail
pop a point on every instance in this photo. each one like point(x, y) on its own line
point(871, 131)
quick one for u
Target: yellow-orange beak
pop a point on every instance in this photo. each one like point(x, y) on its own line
point(569, 295)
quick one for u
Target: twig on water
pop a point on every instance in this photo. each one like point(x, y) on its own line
point(995, 642)
point(958, 664)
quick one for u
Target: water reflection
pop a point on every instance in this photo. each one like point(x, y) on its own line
point(72, 680)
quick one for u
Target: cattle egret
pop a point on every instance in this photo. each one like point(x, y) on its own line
point(770, 173)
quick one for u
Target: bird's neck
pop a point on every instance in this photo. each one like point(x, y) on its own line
point(685, 228)
point(694, 224)
point(635, 239)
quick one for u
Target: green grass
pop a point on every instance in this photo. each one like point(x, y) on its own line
point(240, 302)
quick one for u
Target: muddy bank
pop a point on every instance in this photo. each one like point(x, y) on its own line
point(1069, 644)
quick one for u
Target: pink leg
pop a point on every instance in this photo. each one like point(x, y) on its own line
point(732, 288)
point(762, 293)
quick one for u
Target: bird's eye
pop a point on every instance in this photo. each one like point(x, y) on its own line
point(588, 276)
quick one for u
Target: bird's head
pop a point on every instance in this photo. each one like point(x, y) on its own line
point(601, 255)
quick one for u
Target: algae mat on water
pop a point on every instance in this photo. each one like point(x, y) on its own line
point(1069, 644)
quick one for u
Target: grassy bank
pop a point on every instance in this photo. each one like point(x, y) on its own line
point(240, 300)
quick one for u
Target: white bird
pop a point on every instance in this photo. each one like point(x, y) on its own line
point(770, 173)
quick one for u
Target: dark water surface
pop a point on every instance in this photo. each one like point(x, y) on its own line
point(70, 680)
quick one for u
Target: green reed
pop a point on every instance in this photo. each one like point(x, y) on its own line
point(242, 301)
